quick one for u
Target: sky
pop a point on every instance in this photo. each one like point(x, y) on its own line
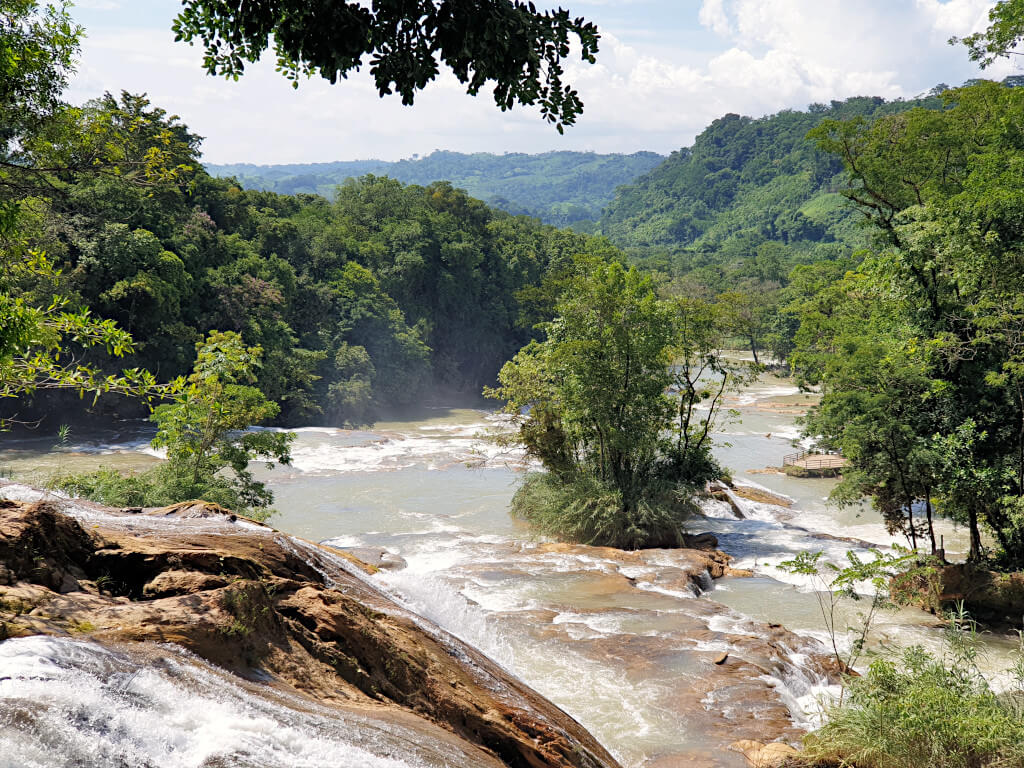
point(665, 70)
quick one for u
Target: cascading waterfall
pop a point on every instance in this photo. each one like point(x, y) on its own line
point(70, 703)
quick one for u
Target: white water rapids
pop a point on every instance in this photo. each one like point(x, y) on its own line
point(623, 645)
point(70, 704)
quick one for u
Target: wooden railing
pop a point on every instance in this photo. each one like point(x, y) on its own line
point(806, 459)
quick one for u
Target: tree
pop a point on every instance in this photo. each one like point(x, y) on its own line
point(35, 343)
point(37, 50)
point(592, 403)
point(205, 432)
point(1005, 30)
point(44, 334)
point(749, 310)
point(506, 43)
point(930, 363)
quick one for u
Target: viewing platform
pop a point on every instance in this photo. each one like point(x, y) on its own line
point(808, 464)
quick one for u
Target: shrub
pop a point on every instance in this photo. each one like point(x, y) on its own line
point(157, 487)
point(915, 709)
point(585, 511)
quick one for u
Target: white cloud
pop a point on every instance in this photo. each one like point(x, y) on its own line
point(956, 17)
point(756, 57)
point(712, 15)
point(98, 5)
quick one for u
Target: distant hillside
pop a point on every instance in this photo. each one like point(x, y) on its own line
point(748, 190)
point(558, 187)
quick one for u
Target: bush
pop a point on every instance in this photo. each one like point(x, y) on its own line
point(916, 709)
point(586, 511)
point(107, 486)
point(157, 487)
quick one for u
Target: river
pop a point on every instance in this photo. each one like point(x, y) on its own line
point(625, 644)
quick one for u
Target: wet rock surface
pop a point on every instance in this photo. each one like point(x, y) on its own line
point(273, 610)
point(721, 676)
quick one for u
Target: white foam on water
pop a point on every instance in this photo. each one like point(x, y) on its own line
point(621, 713)
point(104, 448)
point(730, 624)
point(149, 450)
point(73, 703)
point(753, 394)
point(681, 594)
point(388, 453)
point(340, 542)
point(787, 433)
point(806, 697)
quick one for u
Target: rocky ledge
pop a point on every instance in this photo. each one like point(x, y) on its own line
point(276, 612)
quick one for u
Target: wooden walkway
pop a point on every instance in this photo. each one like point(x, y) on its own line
point(808, 460)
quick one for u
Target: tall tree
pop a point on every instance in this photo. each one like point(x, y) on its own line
point(1001, 37)
point(943, 190)
point(42, 333)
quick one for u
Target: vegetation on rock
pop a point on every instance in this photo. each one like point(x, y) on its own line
point(914, 707)
point(592, 403)
point(206, 437)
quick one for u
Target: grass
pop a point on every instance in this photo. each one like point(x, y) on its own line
point(158, 486)
point(585, 511)
point(914, 709)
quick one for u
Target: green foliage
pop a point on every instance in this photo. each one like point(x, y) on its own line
point(559, 188)
point(919, 350)
point(41, 142)
point(744, 183)
point(914, 708)
point(512, 48)
point(205, 432)
point(202, 430)
point(206, 435)
point(110, 487)
point(1001, 37)
point(37, 50)
point(587, 511)
point(359, 305)
point(591, 403)
point(838, 587)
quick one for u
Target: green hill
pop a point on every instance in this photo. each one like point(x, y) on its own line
point(748, 190)
point(559, 188)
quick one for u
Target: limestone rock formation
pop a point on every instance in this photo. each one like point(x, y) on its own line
point(272, 609)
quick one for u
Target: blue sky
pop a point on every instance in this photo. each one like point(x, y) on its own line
point(665, 70)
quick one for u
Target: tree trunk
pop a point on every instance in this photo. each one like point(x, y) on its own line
point(928, 512)
point(910, 523)
point(975, 553)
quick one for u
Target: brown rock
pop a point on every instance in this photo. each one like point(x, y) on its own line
point(257, 603)
point(721, 658)
point(995, 599)
point(170, 583)
point(702, 541)
point(759, 755)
